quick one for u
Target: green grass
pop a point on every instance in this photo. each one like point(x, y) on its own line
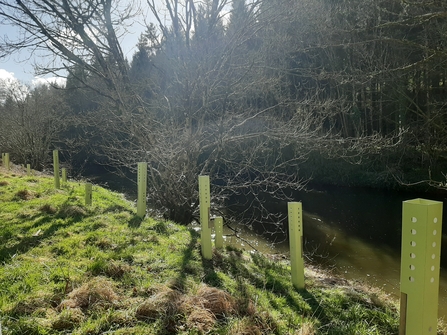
point(71, 269)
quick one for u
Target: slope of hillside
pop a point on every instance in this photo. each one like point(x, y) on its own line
point(71, 269)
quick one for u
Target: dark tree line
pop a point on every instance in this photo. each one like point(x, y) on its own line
point(262, 95)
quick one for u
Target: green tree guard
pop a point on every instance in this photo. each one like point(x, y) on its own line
point(142, 186)
point(28, 170)
point(88, 194)
point(296, 243)
point(57, 183)
point(64, 175)
point(218, 227)
point(7, 163)
point(419, 272)
point(205, 201)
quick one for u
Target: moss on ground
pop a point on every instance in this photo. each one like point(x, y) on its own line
point(67, 268)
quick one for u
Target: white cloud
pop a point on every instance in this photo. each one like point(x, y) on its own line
point(6, 75)
point(51, 80)
point(10, 86)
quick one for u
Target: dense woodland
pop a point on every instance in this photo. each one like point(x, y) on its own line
point(262, 95)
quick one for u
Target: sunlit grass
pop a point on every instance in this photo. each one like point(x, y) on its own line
point(70, 268)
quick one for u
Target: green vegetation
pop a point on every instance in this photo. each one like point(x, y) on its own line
point(67, 268)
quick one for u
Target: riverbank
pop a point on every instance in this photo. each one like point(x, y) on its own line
point(68, 268)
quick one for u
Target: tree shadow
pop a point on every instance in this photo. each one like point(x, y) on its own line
point(268, 276)
point(211, 277)
point(278, 286)
point(317, 309)
point(161, 228)
point(117, 208)
point(28, 242)
point(135, 221)
point(186, 268)
point(179, 282)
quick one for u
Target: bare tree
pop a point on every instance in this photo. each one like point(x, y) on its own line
point(222, 107)
point(66, 33)
point(31, 123)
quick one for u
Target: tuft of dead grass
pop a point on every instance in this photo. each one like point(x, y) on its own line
point(68, 319)
point(307, 328)
point(98, 293)
point(105, 243)
point(117, 270)
point(25, 195)
point(4, 183)
point(244, 327)
point(48, 209)
point(72, 212)
point(442, 327)
point(218, 302)
point(165, 302)
point(203, 308)
point(31, 305)
point(201, 319)
point(200, 310)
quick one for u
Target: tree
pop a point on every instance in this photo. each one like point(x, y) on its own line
point(85, 34)
point(31, 123)
point(221, 109)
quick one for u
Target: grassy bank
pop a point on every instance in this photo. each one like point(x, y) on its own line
point(70, 269)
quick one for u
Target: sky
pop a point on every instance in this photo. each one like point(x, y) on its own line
point(20, 66)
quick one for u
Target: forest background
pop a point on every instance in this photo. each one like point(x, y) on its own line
point(262, 95)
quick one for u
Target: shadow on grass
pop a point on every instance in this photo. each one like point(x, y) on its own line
point(117, 209)
point(28, 242)
point(187, 267)
point(279, 284)
point(160, 228)
point(317, 309)
point(270, 277)
point(135, 221)
point(42, 221)
point(211, 277)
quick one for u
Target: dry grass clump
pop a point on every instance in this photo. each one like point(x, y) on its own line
point(257, 324)
point(117, 270)
point(164, 303)
point(201, 319)
point(218, 302)
point(25, 195)
point(97, 293)
point(30, 306)
point(203, 309)
point(244, 327)
point(32, 180)
point(4, 183)
point(72, 212)
point(68, 319)
point(48, 209)
point(307, 328)
point(200, 310)
point(442, 327)
point(105, 243)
